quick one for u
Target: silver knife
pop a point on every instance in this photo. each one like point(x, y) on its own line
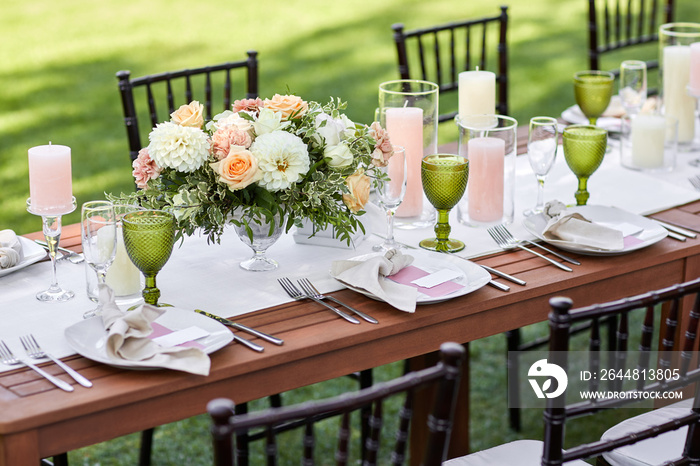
point(243, 328)
point(501, 274)
point(676, 229)
point(500, 286)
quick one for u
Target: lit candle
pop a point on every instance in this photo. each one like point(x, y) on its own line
point(486, 174)
point(695, 69)
point(648, 135)
point(405, 128)
point(477, 94)
point(676, 100)
point(50, 184)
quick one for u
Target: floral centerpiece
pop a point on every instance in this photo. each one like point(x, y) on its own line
point(280, 156)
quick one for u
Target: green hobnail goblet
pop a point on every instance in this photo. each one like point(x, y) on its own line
point(593, 91)
point(149, 236)
point(584, 149)
point(444, 178)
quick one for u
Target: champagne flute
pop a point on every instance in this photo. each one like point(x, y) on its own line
point(584, 149)
point(543, 138)
point(98, 228)
point(633, 85)
point(593, 91)
point(444, 178)
point(149, 236)
point(390, 193)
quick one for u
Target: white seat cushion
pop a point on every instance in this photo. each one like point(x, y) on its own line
point(656, 450)
point(518, 453)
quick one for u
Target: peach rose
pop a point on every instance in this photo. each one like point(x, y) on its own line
point(358, 183)
point(189, 115)
point(224, 138)
point(251, 106)
point(238, 170)
point(145, 169)
point(287, 105)
point(382, 149)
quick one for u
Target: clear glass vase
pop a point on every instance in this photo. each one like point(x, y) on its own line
point(259, 235)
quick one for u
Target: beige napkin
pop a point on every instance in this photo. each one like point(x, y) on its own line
point(128, 340)
point(10, 249)
point(369, 275)
point(572, 228)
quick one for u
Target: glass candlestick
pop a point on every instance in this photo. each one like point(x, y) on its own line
point(52, 233)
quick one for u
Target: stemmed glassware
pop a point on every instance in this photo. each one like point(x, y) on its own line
point(259, 234)
point(98, 230)
point(148, 238)
point(593, 91)
point(584, 149)
point(390, 193)
point(633, 85)
point(542, 142)
point(444, 178)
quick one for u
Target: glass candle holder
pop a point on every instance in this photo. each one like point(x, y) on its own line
point(491, 151)
point(649, 142)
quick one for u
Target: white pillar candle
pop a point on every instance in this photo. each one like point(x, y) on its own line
point(50, 182)
point(486, 177)
point(648, 135)
point(695, 69)
point(123, 276)
point(477, 94)
point(676, 100)
point(405, 128)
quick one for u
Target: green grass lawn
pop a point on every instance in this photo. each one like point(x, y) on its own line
point(57, 83)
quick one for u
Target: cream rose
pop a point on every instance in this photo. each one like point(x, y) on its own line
point(340, 156)
point(189, 115)
point(358, 183)
point(238, 170)
point(287, 105)
point(269, 121)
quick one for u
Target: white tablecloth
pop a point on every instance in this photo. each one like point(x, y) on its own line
point(208, 277)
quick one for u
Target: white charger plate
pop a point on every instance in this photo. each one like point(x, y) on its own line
point(472, 276)
point(31, 253)
point(652, 232)
point(88, 337)
point(575, 116)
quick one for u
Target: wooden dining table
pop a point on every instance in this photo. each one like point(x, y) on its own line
point(38, 420)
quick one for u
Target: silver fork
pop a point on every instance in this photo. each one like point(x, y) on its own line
point(512, 239)
point(8, 358)
point(695, 181)
point(505, 244)
point(295, 293)
point(311, 290)
point(31, 346)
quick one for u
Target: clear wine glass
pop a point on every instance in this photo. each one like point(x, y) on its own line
point(542, 142)
point(633, 85)
point(444, 178)
point(98, 229)
point(390, 193)
point(593, 91)
point(584, 149)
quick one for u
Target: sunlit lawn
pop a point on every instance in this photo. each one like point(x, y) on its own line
point(58, 61)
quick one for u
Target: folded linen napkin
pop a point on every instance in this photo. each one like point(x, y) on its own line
point(572, 228)
point(128, 334)
point(369, 275)
point(10, 249)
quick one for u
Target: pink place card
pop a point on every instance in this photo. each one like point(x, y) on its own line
point(160, 330)
point(406, 275)
point(630, 241)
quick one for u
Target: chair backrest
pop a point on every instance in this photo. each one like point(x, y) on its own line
point(444, 377)
point(677, 349)
point(438, 54)
point(209, 84)
point(619, 24)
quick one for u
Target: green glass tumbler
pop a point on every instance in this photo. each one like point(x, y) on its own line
point(444, 178)
point(593, 91)
point(584, 149)
point(149, 236)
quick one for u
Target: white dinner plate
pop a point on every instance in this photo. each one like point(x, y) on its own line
point(575, 116)
point(651, 232)
point(31, 253)
point(472, 276)
point(88, 336)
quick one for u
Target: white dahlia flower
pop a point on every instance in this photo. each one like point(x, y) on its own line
point(283, 159)
point(180, 147)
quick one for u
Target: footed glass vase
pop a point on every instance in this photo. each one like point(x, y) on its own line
point(259, 235)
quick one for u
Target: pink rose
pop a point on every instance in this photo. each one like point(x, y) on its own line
point(251, 106)
point(359, 184)
point(224, 138)
point(287, 105)
point(382, 149)
point(238, 170)
point(145, 169)
point(189, 115)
